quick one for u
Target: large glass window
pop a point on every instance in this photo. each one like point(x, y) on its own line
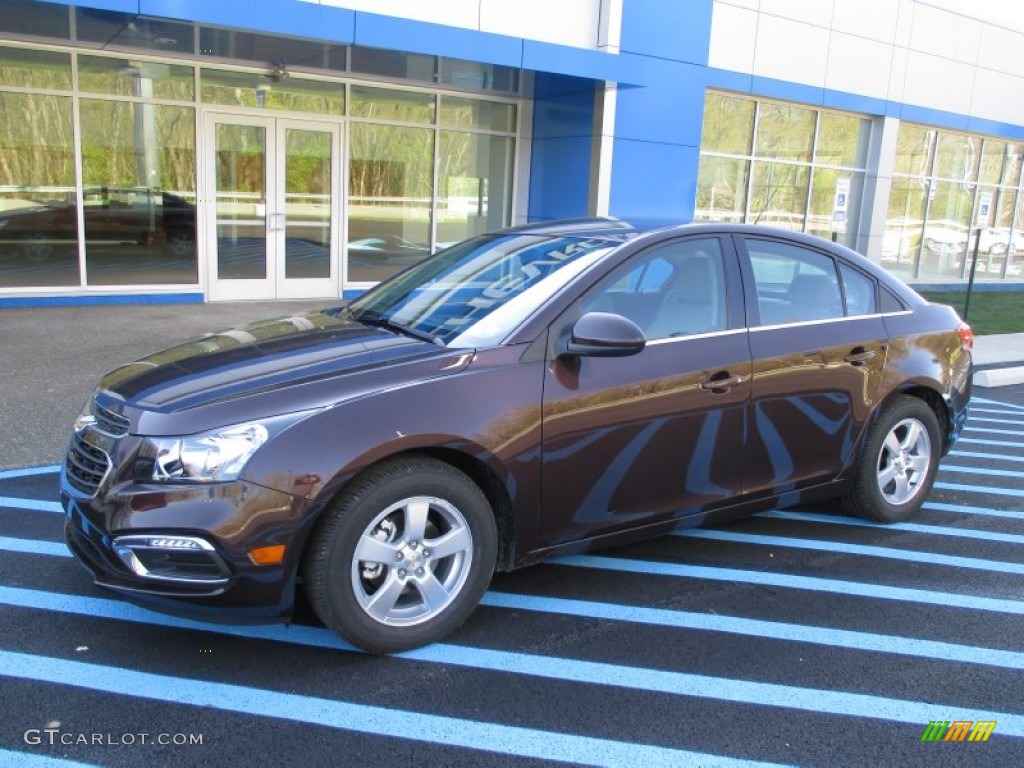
point(425, 168)
point(391, 104)
point(142, 79)
point(941, 180)
point(767, 162)
point(38, 211)
point(139, 192)
point(270, 91)
point(474, 185)
point(391, 175)
point(35, 69)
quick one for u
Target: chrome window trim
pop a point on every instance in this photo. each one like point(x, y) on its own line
point(689, 337)
point(843, 319)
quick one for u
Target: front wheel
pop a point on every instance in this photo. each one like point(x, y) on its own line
point(403, 557)
point(898, 466)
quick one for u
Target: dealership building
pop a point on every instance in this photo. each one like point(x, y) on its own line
point(212, 150)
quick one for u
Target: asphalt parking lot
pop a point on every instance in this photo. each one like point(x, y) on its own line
point(801, 637)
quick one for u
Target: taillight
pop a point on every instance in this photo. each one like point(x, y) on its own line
point(966, 335)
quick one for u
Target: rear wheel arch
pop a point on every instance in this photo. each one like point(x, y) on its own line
point(934, 400)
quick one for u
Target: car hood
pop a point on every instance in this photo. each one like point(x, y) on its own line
point(265, 369)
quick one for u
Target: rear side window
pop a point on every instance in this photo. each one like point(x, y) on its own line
point(793, 284)
point(890, 303)
point(859, 290)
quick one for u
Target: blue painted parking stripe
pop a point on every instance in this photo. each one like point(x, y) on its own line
point(1013, 514)
point(34, 546)
point(907, 555)
point(789, 581)
point(772, 630)
point(36, 505)
point(1018, 492)
point(490, 737)
point(417, 726)
point(981, 471)
point(810, 583)
point(444, 653)
point(975, 419)
point(1000, 403)
point(979, 441)
point(11, 759)
point(990, 431)
point(982, 455)
point(29, 471)
point(931, 530)
point(982, 409)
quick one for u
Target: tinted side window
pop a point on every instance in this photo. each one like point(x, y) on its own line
point(676, 289)
point(890, 303)
point(793, 284)
point(859, 290)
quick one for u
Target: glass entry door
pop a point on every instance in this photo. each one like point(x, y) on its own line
point(275, 192)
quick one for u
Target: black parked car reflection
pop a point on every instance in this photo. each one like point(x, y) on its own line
point(113, 216)
point(540, 390)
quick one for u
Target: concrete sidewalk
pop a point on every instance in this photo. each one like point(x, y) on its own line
point(52, 357)
point(1001, 358)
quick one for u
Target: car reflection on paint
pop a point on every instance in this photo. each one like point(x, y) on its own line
point(537, 391)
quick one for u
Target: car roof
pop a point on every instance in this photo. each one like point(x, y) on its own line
point(618, 230)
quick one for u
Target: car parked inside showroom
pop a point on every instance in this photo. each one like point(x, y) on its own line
point(113, 216)
point(536, 391)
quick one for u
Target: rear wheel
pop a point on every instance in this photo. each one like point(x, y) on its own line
point(403, 558)
point(898, 466)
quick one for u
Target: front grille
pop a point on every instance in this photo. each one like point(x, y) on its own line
point(108, 421)
point(86, 465)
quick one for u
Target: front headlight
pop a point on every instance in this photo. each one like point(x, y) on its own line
point(207, 458)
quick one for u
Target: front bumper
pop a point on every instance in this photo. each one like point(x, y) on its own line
point(186, 549)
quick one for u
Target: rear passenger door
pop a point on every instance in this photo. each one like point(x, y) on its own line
point(818, 346)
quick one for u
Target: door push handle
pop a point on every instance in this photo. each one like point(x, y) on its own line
point(275, 222)
point(722, 382)
point(859, 356)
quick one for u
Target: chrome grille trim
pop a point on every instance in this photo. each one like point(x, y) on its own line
point(86, 465)
point(107, 421)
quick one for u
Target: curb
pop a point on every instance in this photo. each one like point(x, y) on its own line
point(999, 377)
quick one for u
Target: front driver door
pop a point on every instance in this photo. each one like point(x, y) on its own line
point(635, 440)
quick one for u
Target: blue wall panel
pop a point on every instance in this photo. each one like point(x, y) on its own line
point(120, 6)
point(101, 299)
point(653, 180)
point(656, 151)
point(669, 110)
point(284, 17)
point(436, 39)
point(678, 30)
point(563, 127)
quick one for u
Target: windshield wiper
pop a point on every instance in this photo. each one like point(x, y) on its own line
point(377, 320)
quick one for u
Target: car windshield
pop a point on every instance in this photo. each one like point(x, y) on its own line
point(477, 292)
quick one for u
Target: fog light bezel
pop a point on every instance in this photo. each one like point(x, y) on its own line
point(126, 546)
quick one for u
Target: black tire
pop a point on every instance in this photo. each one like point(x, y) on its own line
point(436, 531)
point(898, 465)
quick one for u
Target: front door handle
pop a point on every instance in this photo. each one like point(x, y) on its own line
point(858, 356)
point(722, 382)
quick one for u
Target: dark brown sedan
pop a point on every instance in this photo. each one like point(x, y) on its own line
point(537, 391)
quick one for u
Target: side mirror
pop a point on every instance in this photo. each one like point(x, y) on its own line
point(603, 334)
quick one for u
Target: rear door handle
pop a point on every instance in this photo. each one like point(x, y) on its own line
point(858, 356)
